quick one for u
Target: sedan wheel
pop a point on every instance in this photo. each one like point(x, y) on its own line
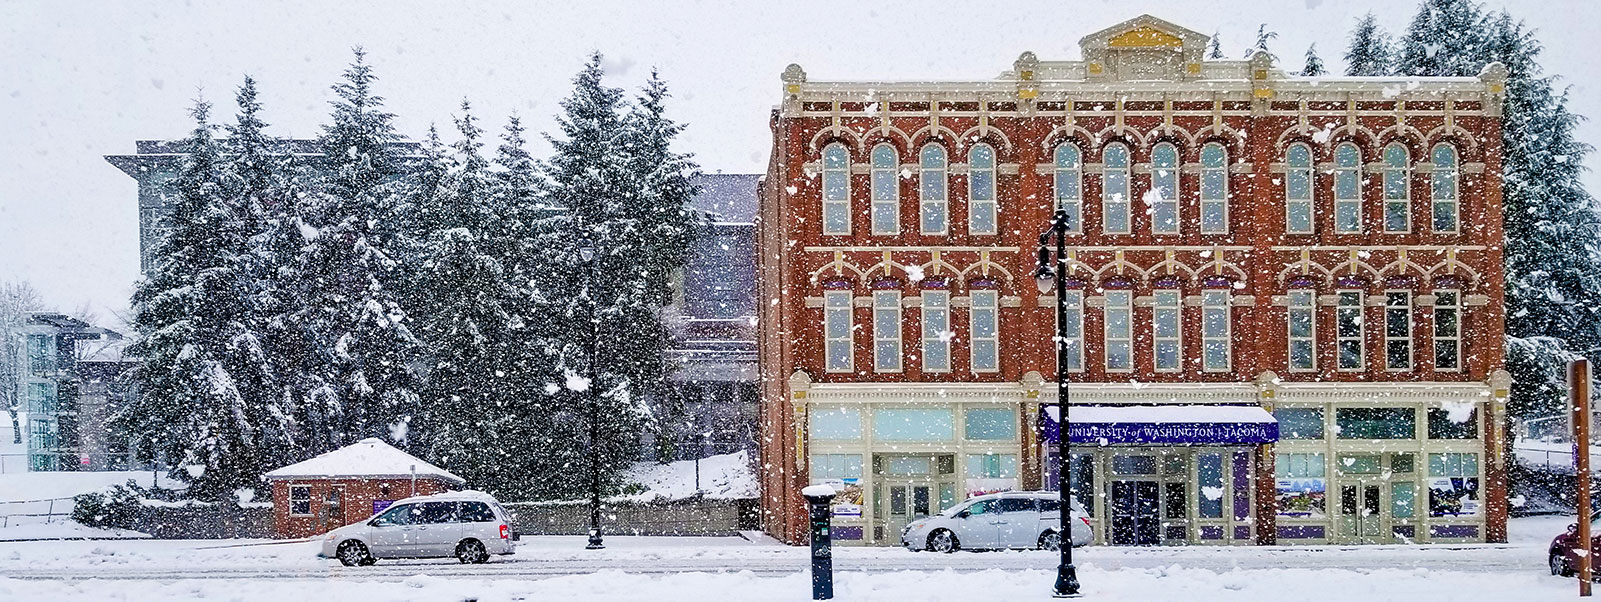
point(943, 541)
point(1051, 540)
point(354, 553)
point(471, 551)
point(1559, 565)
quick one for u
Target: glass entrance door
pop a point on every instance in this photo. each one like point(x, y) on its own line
point(907, 502)
point(1136, 513)
point(1360, 518)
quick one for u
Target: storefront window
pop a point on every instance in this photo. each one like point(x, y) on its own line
point(1403, 499)
point(1401, 463)
point(1082, 481)
point(992, 466)
point(1453, 484)
point(905, 424)
point(1301, 484)
point(991, 424)
point(1447, 424)
point(1359, 464)
point(1376, 423)
point(837, 424)
point(1300, 423)
point(836, 466)
point(1209, 479)
point(909, 465)
point(1133, 465)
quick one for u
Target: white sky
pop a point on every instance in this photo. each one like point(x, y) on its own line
point(83, 79)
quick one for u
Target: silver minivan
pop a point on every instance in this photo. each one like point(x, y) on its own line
point(469, 525)
point(998, 521)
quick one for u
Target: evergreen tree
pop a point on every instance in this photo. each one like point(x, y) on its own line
point(1445, 39)
point(1369, 52)
point(463, 320)
point(363, 382)
point(1314, 65)
point(189, 313)
point(1215, 50)
point(1263, 36)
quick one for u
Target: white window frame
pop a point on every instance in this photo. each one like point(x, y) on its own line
point(307, 500)
point(1220, 202)
point(1454, 339)
point(1075, 322)
point(1406, 310)
point(1119, 301)
point(984, 305)
point(1342, 309)
point(1110, 197)
point(1353, 172)
point(933, 175)
point(1446, 174)
point(1070, 168)
point(1213, 301)
point(887, 345)
point(1168, 308)
point(979, 200)
point(1165, 187)
point(1302, 306)
point(1304, 170)
point(1403, 172)
point(892, 203)
point(839, 301)
point(843, 173)
point(936, 312)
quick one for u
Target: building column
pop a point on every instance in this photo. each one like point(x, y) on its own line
point(1033, 447)
point(1266, 499)
point(1495, 469)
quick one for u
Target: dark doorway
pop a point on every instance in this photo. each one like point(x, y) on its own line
point(1136, 513)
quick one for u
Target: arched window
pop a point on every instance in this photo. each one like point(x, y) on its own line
point(981, 190)
point(1298, 209)
point(1443, 186)
point(1214, 189)
point(1164, 198)
point(1397, 197)
point(886, 190)
point(932, 189)
point(1069, 180)
point(1115, 189)
point(836, 189)
point(1347, 189)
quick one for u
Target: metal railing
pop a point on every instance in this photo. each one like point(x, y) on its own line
point(55, 509)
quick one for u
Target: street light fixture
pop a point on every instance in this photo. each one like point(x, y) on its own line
point(586, 251)
point(1048, 279)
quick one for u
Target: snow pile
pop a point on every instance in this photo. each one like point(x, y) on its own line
point(63, 528)
point(24, 486)
point(1099, 584)
point(722, 477)
point(365, 458)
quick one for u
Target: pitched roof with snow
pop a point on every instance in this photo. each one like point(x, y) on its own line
point(367, 458)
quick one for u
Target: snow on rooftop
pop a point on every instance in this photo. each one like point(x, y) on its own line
point(366, 458)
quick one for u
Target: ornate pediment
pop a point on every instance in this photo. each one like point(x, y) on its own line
point(1143, 48)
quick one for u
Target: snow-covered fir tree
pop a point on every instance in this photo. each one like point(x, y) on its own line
point(1369, 52)
point(1215, 48)
point(190, 314)
point(364, 380)
point(1445, 38)
point(1263, 36)
point(1314, 65)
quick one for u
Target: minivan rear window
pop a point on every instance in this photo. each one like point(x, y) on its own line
point(476, 512)
point(434, 513)
point(1016, 504)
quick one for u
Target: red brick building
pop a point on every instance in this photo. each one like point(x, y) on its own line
point(1314, 260)
point(347, 485)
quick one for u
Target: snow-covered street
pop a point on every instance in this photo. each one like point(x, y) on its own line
point(667, 568)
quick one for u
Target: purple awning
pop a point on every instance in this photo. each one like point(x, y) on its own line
point(1163, 424)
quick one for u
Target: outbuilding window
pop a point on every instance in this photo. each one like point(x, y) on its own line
point(300, 500)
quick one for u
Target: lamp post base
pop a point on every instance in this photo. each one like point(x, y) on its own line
point(1066, 582)
point(595, 542)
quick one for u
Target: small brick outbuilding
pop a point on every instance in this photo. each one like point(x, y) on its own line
point(347, 485)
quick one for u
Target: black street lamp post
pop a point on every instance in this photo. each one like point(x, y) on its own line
point(587, 253)
point(1048, 278)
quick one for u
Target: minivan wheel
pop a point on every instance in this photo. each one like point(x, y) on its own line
point(942, 540)
point(471, 551)
point(354, 553)
point(1051, 540)
point(1559, 565)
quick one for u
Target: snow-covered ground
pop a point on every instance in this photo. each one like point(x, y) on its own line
point(723, 477)
point(36, 504)
point(681, 568)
